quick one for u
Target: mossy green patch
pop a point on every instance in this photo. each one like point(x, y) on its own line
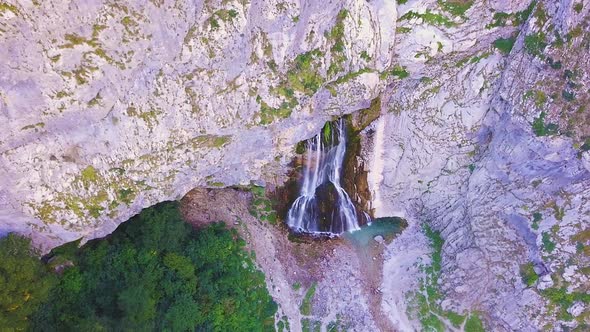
point(397, 71)
point(303, 77)
point(262, 207)
point(8, 7)
point(306, 303)
point(563, 299)
point(424, 305)
point(542, 129)
point(336, 38)
point(528, 274)
point(504, 45)
point(456, 7)
point(429, 18)
point(474, 324)
point(500, 19)
point(548, 244)
point(535, 44)
point(89, 175)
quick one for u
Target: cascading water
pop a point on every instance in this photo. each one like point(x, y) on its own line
point(323, 206)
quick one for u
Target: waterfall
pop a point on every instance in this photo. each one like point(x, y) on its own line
point(323, 206)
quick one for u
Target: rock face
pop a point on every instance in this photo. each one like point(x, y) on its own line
point(483, 130)
point(486, 144)
point(108, 108)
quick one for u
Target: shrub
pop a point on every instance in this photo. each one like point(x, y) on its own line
point(542, 129)
point(548, 245)
point(528, 274)
point(504, 44)
point(534, 44)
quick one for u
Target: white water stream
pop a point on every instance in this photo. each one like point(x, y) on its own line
point(323, 169)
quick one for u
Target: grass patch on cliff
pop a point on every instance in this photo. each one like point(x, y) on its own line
point(262, 207)
point(303, 78)
point(305, 307)
point(456, 7)
point(540, 128)
point(397, 71)
point(562, 300)
point(500, 19)
point(336, 38)
point(528, 274)
point(504, 45)
point(425, 304)
point(534, 44)
point(155, 272)
point(429, 18)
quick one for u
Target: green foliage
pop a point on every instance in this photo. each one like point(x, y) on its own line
point(402, 2)
point(24, 282)
point(89, 175)
point(397, 71)
point(534, 44)
point(327, 132)
point(336, 326)
point(522, 16)
point(351, 75)
point(429, 18)
point(365, 56)
point(538, 96)
point(499, 20)
point(548, 245)
point(336, 37)
point(474, 324)
point(455, 318)
point(542, 129)
point(456, 7)
point(308, 325)
point(560, 297)
point(304, 77)
point(504, 44)
point(437, 242)
point(305, 307)
point(425, 304)
point(578, 7)
point(537, 217)
point(528, 274)
point(156, 273)
point(261, 207)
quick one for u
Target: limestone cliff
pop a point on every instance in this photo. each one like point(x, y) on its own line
point(483, 131)
point(108, 108)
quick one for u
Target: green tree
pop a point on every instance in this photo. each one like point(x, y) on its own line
point(24, 282)
point(157, 273)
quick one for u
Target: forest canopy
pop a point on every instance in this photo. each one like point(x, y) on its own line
point(155, 272)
